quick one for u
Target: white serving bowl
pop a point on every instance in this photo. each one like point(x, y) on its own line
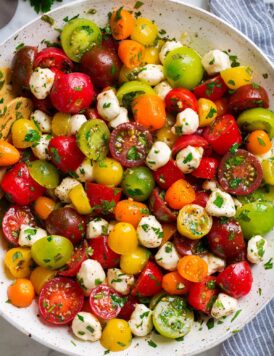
point(205, 32)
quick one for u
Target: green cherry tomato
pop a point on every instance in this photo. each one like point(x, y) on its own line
point(265, 193)
point(138, 183)
point(256, 218)
point(130, 90)
point(183, 68)
point(78, 37)
point(44, 173)
point(257, 119)
point(52, 251)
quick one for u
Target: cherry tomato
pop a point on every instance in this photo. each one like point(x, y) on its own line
point(130, 211)
point(144, 31)
point(121, 24)
point(9, 155)
point(128, 307)
point(179, 99)
point(130, 143)
point(258, 142)
point(201, 198)
point(72, 92)
point(189, 140)
point(187, 247)
point(168, 174)
point(240, 173)
point(223, 133)
point(202, 295)
point(212, 89)
point(193, 268)
point(103, 253)
point(123, 238)
point(236, 279)
point(65, 154)
point(149, 282)
point(174, 283)
point(53, 57)
point(236, 77)
point(60, 300)
point(44, 105)
point(105, 302)
point(159, 207)
point(207, 112)
point(131, 53)
point(21, 293)
point(74, 264)
point(207, 168)
point(222, 106)
point(19, 186)
point(226, 239)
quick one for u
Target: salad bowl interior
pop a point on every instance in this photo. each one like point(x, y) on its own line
point(203, 32)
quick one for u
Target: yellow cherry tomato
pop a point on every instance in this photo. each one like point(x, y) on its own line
point(18, 261)
point(40, 276)
point(236, 77)
point(60, 124)
point(24, 133)
point(166, 135)
point(151, 55)
point(116, 335)
point(207, 112)
point(193, 221)
point(268, 171)
point(108, 172)
point(123, 238)
point(144, 31)
point(135, 261)
point(79, 200)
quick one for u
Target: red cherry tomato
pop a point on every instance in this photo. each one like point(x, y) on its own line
point(149, 281)
point(223, 133)
point(189, 140)
point(236, 279)
point(65, 154)
point(212, 89)
point(202, 295)
point(14, 217)
point(92, 113)
point(159, 207)
point(72, 92)
point(44, 105)
point(102, 199)
point(201, 198)
point(187, 247)
point(167, 175)
point(74, 264)
point(19, 186)
point(105, 302)
point(103, 253)
point(179, 99)
point(207, 168)
point(128, 308)
point(60, 300)
point(53, 57)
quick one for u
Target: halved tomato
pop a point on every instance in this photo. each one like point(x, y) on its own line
point(179, 99)
point(159, 208)
point(102, 199)
point(168, 174)
point(212, 89)
point(207, 168)
point(103, 253)
point(187, 247)
point(202, 295)
point(189, 140)
point(53, 57)
point(74, 264)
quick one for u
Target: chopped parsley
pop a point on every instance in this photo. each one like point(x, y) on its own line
point(152, 343)
point(236, 315)
point(234, 148)
point(133, 154)
point(211, 113)
point(16, 256)
point(231, 82)
point(188, 158)
point(20, 46)
point(48, 19)
point(138, 4)
point(268, 264)
point(118, 301)
point(261, 141)
point(210, 323)
point(80, 317)
point(218, 201)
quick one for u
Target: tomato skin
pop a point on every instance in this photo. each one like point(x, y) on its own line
point(53, 57)
point(78, 257)
point(179, 99)
point(187, 247)
point(44, 105)
point(203, 294)
point(167, 175)
point(223, 133)
point(159, 207)
point(213, 89)
point(72, 92)
point(236, 279)
point(103, 253)
point(247, 97)
point(149, 281)
point(189, 140)
point(201, 198)
point(207, 168)
point(128, 307)
point(19, 185)
point(65, 154)
point(9, 155)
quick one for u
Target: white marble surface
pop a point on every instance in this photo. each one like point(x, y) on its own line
point(13, 342)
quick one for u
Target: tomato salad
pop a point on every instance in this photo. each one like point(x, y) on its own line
point(136, 180)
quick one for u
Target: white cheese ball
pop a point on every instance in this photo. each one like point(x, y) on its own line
point(215, 61)
point(162, 89)
point(152, 74)
point(167, 256)
point(75, 123)
point(256, 247)
point(223, 306)
point(85, 171)
point(189, 158)
point(167, 47)
point(187, 122)
point(122, 118)
point(62, 191)
point(214, 263)
point(140, 322)
point(210, 185)
point(108, 105)
point(120, 281)
point(150, 232)
point(86, 327)
point(40, 149)
point(90, 275)
point(42, 120)
point(96, 227)
point(220, 204)
point(28, 235)
point(158, 156)
point(41, 82)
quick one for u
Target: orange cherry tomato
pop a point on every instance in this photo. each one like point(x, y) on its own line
point(174, 283)
point(179, 194)
point(149, 111)
point(168, 231)
point(222, 106)
point(131, 53)
point(193, 268)
point(43, 206)
point(8, 154)
point(21, 293)
point(130, 211)
point(121, 24)
point(258, 142)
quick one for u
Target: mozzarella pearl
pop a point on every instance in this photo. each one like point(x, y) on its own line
point(189, 158)
point(162, 89)
point(220, 204)
point(41, 82)
point(42, 120)
point(96, 227)
point(120, 281)
point(187, 122)
point(215, 61)
point(75, 123)
point(86, 327)
point(108, 105)
point(167, 47)
point(158, 156)
point(167, 256)
point(256, 249)
point(28, 235)
point(223, 306)
point(90, 275)
point(150, 232)
point(140, 322)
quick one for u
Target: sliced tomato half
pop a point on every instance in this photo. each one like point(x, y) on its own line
point(189, 140)
point(79, 256)
point(52, 57)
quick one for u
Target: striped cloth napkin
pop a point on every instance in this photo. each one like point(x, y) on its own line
point(254, 18)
